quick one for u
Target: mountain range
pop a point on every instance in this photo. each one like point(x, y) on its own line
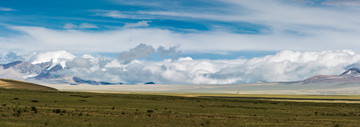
point(47, 71)
point(44, 72)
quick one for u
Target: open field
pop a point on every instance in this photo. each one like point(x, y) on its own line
point(253, 88)
point(45, 108)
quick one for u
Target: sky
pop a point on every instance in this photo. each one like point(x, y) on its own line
point(200, 29)
point(195, 25)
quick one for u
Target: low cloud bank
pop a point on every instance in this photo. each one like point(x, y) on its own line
point(136, 67)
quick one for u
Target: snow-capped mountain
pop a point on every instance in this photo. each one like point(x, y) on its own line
point(351, 73)
point(26, 69)
point(42, 67)
point(56, 58)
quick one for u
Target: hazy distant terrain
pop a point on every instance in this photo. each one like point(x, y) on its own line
point(347, 83)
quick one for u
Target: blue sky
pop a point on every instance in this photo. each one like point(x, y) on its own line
point(214, 29)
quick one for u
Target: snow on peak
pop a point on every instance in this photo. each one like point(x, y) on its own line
point(56, 57)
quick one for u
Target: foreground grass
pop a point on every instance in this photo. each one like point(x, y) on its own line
point(41, 108)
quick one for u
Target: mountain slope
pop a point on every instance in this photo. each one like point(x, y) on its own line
point(351, 75)
point(15, 84)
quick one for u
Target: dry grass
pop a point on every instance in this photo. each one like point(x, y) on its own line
point(15, 84)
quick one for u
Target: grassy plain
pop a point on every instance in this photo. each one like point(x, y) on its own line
point(54, 108)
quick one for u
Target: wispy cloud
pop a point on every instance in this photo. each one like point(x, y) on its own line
point(288, 25)
point(6, 9)
point(278, 15)
point(81, 26)
point(117, 14)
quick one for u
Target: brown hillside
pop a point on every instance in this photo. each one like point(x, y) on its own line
point(15, 84)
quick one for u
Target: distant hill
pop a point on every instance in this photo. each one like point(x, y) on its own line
point(351, 75)
point(15, 84)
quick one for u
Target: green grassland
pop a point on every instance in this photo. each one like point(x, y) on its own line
point(54, 108)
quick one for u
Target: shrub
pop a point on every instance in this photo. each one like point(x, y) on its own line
point(150, 111)
point(57, 111)
point(17, 113)
point(35, 101)
point(33, 108)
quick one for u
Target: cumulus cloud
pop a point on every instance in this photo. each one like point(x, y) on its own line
point(146, 51)
point(171, 52)
point(289, 66)
point(140, 51)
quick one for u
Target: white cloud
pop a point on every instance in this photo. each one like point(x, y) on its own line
point(290, 66)
point(138, 24)
point(6, 9)
point(140, 51)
